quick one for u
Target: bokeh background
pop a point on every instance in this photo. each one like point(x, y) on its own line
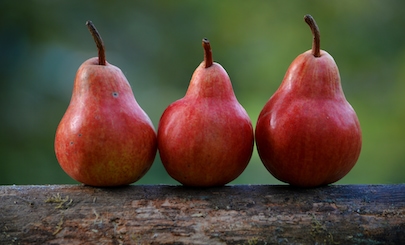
point(157, 44)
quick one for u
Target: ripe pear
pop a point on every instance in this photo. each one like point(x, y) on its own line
point(104, 138)
point(308, 134)
point(206, 138)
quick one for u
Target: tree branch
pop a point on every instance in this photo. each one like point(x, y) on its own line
point(241, 214)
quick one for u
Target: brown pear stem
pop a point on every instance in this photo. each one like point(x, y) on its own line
point(99, 42)
point(207, 52)
point(316, 43)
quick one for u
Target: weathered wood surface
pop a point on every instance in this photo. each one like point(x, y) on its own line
point(241, 214)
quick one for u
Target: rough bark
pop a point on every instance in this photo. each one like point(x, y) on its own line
point(241, 214)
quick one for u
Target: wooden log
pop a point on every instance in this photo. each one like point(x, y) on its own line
point(236, 214)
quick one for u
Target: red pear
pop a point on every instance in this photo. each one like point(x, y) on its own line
point(206, 138)
point(104, 137)
point(307, 134)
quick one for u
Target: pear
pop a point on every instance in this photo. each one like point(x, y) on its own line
point(308, 134)
point(206, 138)
point(104, 138)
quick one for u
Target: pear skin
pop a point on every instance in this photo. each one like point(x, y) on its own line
point(308, 134)
point(206, 138)
point(104, 137)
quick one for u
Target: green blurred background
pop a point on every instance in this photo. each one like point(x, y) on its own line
point(157, 44)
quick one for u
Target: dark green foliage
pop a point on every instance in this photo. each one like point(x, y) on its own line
point(157, 44)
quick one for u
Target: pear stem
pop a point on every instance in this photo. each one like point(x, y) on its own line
point(99, 42)
point(316, 43)
point(207, 52)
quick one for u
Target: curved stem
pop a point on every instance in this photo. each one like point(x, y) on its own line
point(316, 43)
point(99, 42)
point(207, 52)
